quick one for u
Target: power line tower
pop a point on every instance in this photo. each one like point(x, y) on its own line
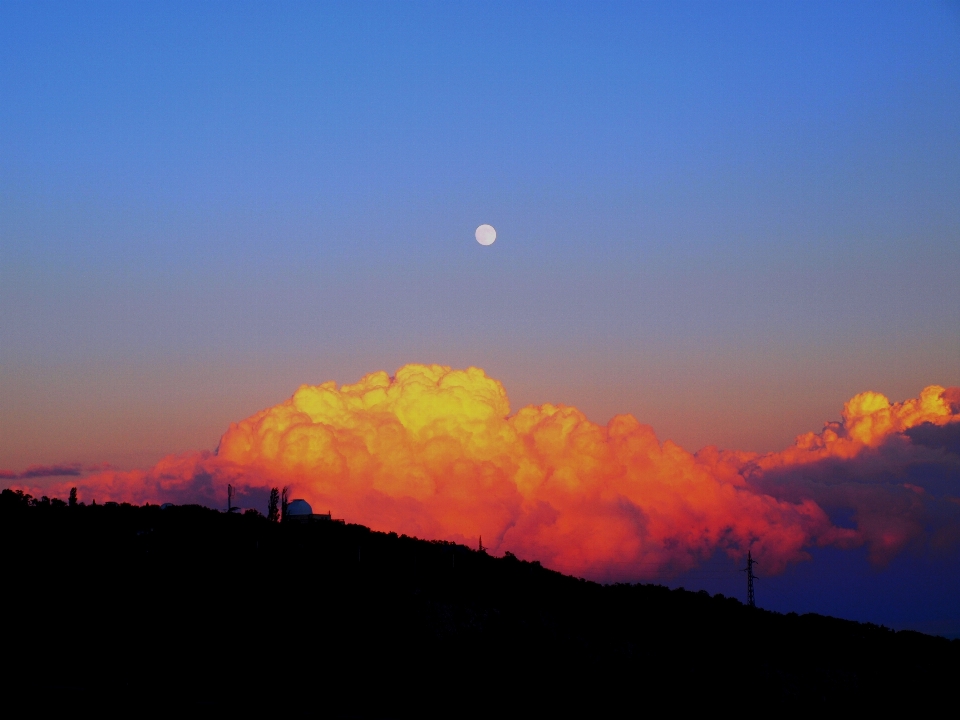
point(750, 578)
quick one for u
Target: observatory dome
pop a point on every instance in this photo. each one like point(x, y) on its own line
point(299, 507)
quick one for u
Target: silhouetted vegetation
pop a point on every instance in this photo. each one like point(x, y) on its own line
point(273, 506)
point(142, 607)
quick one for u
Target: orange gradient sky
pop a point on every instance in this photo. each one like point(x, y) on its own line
point(131, 414)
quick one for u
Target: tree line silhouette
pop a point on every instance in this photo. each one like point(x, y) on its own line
point(141, 607)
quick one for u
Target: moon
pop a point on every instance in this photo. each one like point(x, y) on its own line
point(486, 235)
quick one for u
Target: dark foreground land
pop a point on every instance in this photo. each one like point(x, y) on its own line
point(139, 609)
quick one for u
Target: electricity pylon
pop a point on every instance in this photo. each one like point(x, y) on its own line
point(750, 578)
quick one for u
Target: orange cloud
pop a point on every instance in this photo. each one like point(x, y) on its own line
point(435, 452)
point(868, 420)
point(875, 464)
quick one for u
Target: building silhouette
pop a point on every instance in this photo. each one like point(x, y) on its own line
point(299, 510)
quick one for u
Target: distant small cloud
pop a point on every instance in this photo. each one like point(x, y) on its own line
point(39, 471)
point(8, 475)
point(98, 467)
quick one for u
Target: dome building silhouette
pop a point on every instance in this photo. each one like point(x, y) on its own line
point(299, 510)
point(299, 507)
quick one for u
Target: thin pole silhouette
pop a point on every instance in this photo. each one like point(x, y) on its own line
point(751, 601)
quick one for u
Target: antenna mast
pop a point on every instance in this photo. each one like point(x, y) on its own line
point(750, 578)
point(230, 496)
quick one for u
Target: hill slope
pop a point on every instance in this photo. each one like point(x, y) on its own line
point(140, 607)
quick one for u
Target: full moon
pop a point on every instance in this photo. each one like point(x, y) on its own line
point(486, 235)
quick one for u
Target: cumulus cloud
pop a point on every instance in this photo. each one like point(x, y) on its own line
point(436, 452)
point(890, 470)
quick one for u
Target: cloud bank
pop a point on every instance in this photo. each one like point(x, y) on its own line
point(436, 453)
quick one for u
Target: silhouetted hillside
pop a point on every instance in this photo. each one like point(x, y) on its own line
point(143, 607)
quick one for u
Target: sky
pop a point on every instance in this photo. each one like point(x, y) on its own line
point(726, 219)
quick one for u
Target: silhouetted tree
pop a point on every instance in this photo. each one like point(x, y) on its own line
point(73, 497)
point(15, 498)
point(273, 508)
point(283, 503)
